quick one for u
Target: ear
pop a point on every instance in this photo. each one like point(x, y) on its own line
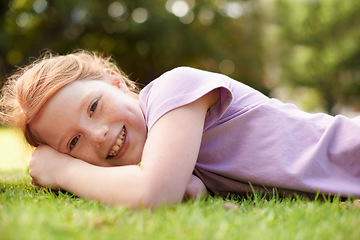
point(115, 79)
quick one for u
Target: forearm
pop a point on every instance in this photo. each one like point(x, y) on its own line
point(109, 185)
point(130, 185)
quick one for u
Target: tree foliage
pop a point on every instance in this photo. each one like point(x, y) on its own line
point(145, 37)
point(320, 48)
point(264, 43)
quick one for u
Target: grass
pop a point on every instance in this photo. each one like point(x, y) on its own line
point(29, 213)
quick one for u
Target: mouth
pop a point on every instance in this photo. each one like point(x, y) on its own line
point(118, 144)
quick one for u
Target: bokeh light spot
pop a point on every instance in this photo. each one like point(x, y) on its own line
point(227, 67)
point(234, 9)
point(140, 15)
point(178, 7)
point(116, 10)
point(39, 6)
point(22, 19)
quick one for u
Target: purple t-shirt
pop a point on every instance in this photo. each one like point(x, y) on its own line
point(250, 138)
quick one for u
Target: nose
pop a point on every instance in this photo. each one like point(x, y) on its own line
point(98, 134)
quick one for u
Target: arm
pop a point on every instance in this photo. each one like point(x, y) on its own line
point(168, 160)
point(195, 188)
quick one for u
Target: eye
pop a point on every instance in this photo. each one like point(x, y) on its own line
point(74, 142)
point(93, 107)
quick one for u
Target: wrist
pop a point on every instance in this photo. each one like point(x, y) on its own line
point(64, 170)
point(71, 174)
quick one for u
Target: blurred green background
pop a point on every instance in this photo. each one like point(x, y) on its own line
point(302, 51)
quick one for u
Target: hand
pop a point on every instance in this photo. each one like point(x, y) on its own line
point(195, 188)
point(45, 165)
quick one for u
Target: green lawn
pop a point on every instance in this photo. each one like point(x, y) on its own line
point(13, 151)
point(29, 213)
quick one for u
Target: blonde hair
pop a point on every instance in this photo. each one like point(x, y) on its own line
point(30, 87)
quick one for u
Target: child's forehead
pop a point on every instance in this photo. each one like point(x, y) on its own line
point(83, 85)
point(66, 95)
point(80, 90)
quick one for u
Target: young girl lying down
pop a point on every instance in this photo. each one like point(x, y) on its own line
point(189, 129)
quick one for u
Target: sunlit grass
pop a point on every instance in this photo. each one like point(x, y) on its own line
point(30, 213)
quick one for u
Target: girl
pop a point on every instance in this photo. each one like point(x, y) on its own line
point(92, 128)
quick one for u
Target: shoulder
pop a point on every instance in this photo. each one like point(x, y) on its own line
point(177, 75)
point(184, 85)
point(188, 73)
point(181, 86)
point(183, 80)
point(178, 71)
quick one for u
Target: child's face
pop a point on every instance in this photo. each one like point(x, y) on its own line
point(95, 121)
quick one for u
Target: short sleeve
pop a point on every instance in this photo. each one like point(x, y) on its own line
point(182, 86)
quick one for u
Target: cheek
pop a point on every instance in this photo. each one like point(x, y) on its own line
point(129, 113)
point(86, 154)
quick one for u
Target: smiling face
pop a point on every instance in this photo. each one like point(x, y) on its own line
point(95, 121)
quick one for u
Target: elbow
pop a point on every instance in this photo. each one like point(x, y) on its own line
point(148, 199)
point(153, 198)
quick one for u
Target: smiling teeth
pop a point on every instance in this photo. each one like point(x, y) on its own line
point(119, 143)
